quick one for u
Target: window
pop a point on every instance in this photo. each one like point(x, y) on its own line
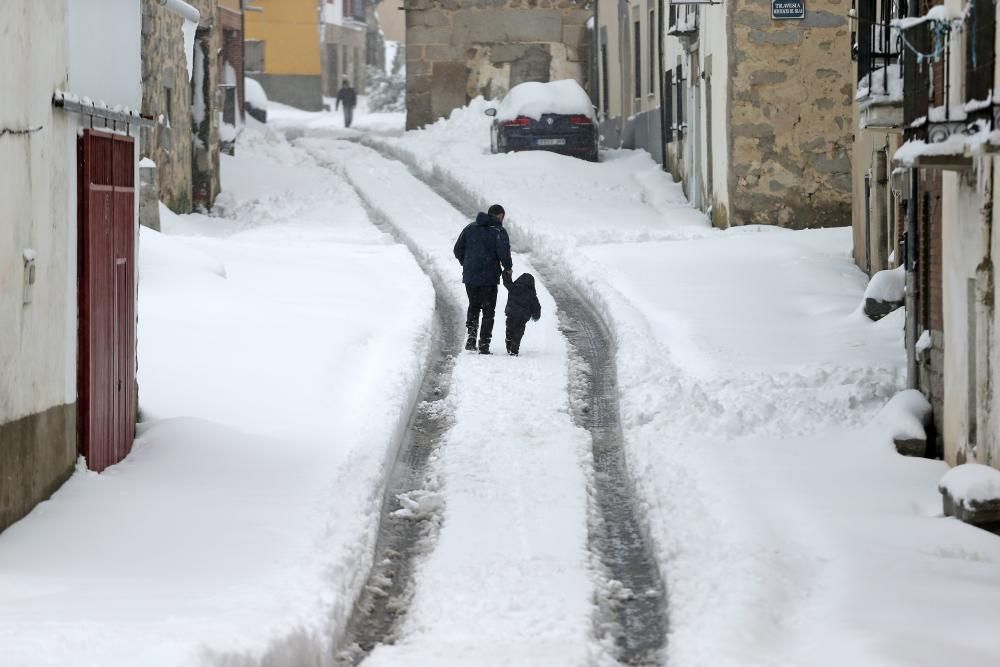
point(168, 106)
point(680, 99)
point(668, 106)
point(254, 53)
point(605, 81)
point(652, 51)
point(637, 73)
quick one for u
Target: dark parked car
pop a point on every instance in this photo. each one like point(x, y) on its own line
point(533, 117)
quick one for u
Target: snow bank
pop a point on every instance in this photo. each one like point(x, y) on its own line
point(273, 386)
point(972, 483)
point(887, 285)
point(255, 94)
point(905, 417)
point(533, 99)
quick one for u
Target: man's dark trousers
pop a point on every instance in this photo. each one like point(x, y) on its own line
point(515, 331)
point(481, 299)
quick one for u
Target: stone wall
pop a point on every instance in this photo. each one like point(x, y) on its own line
point(166, 95)
point(459, 49)
point(206, 104)
point(791, 112)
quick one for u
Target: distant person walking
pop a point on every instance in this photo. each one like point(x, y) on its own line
point(349, 98)
point(483, 250)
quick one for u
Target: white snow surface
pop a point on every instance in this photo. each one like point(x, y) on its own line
point(508, 579)
point(972, 483)
point(788, 528)
point(888, 285)
point(254, 92)
point(533, 99)
point(273, 383)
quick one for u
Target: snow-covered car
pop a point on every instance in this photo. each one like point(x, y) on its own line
point(557, 116)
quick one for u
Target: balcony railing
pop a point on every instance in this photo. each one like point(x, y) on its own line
point(877, 47)
point(940, 112)
point(682, 20)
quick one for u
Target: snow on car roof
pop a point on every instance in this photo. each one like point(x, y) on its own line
point(532, 99)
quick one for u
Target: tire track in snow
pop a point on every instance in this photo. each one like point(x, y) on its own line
point(632, 609)
point(409, 510)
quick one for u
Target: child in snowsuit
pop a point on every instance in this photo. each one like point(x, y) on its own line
point(522, 304)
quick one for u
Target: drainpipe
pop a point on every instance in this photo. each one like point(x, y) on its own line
point(911, 284)
point(910, 242)
point(868, 223)
point(182, 9)
point(659, 75)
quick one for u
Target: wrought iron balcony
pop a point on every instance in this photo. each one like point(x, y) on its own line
point(941, 115)
point(682, 21)
point(877, 47)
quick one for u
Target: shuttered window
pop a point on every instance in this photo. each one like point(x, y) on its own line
point(668, 106)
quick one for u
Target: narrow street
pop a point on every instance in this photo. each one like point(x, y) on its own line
point(639, 487)
point(738, 406)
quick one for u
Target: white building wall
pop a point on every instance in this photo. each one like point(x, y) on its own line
point(702, 164)
point(37, 188)
point(105, 43)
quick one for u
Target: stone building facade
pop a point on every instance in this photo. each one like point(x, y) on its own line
point(206, 105)
point(345, 44)
point(186, 98)
point(166, 95)
point(760, 113)
point(459, 49)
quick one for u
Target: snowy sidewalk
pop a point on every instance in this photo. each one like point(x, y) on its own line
point(508, 580)
point(275, 377)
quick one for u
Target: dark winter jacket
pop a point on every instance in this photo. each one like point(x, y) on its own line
point(483, 250)
point(347, 97)
point(522, 301)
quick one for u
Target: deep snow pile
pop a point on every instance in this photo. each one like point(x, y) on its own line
point(273, 381)
point(790, 531)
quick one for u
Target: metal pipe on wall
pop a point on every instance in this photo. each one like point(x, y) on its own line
point(182, 9)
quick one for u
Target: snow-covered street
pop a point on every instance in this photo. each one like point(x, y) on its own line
point(283, 339)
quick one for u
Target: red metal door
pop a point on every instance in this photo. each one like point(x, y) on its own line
point(106, 371)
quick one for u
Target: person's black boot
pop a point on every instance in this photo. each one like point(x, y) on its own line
point(470, 344)
point(484, 346)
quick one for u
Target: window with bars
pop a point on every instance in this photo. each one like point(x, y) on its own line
point(651, 47)
point(668, 106)
point(637, 74)
point(605, 81)
point(680, 100)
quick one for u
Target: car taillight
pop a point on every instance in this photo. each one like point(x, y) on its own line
point(580, 120)
point(520, 121)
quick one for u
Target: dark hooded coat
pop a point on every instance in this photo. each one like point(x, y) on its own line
point(522, 300)
point(483, 250)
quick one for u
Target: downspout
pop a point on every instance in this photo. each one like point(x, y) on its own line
point(910, 302)
point(182, 9)
point(661, 82)
point(623, 86)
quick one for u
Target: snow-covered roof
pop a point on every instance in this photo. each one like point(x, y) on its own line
point(533, 99)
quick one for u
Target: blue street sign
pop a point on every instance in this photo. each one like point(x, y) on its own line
point(788, 9)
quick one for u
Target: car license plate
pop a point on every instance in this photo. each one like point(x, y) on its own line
point(550, 142)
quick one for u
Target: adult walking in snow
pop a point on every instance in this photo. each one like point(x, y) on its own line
point(483, 250)
point(349, 98)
